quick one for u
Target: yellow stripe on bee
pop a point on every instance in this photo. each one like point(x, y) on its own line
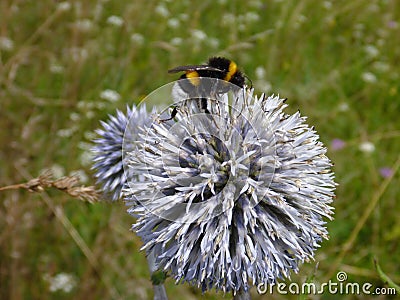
point(193, 77)
point(231, 71)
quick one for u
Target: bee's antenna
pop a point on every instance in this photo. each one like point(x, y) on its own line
point(251, 83)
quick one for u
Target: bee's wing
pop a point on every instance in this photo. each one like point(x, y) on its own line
point(193, 68)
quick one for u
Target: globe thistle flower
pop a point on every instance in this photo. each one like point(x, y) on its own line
point(118, 136)
point(233, 196)
point(108, 150)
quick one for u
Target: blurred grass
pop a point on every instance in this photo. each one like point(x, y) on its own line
point(336, 61)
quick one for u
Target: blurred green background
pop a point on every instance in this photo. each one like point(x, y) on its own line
point(65, 65)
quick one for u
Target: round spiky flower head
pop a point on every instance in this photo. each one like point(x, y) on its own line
point(108, 156)
point(232, 196)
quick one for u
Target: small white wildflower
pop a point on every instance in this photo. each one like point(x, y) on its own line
point(184, 17)
point(89, 114)
point(252, 16)
point(81, 105)
point(344, 106)
point(15, 254)
point(369, 77)
point(64, 6)
point(89, 135)
point(84, 25)
point(57, 170)
point(78, 54)
point(85, 105)
point(86, 158)
point(173, 23)
point(61, 282)
point(228, 19)
point(28, 220)
point(241, 27)
point(373, 7)
point(371, 51)
point(279, 23)
point(75, 116)
point(199, 35)
point(110, 95)
point(85, 146)
point(367, 147)
point(176, 41)
point(162, 10)
point(213, 42)
point(137, 38)
point(77, 5)
point(6, 43)
point(301, 19)
point(327, 4)
point(56, 68)
point(359, 26)
point(81, 174)
point(100, 105)
point(260, 72)
point(359, 30)
point(256, 4)
point(97, 10)
point(263, 85)
point(14, 8)
point(381, 66)
point(381, 42)
point(66, 132)
point(115, 21)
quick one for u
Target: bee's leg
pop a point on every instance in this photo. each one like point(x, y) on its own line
point(173, 114)
point(203, 105)
point(203, 102)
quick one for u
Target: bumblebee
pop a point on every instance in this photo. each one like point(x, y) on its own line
point(216, 67)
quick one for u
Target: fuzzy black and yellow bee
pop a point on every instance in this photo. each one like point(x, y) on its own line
point(217, 67)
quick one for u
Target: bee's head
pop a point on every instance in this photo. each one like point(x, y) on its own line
point(237, 79)
point(229, 70)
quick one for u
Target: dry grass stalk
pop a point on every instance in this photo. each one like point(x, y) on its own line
point(67, 184)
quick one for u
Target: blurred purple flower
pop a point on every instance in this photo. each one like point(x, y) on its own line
point(392, 24)
point(386, 172)
point(337, 144)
